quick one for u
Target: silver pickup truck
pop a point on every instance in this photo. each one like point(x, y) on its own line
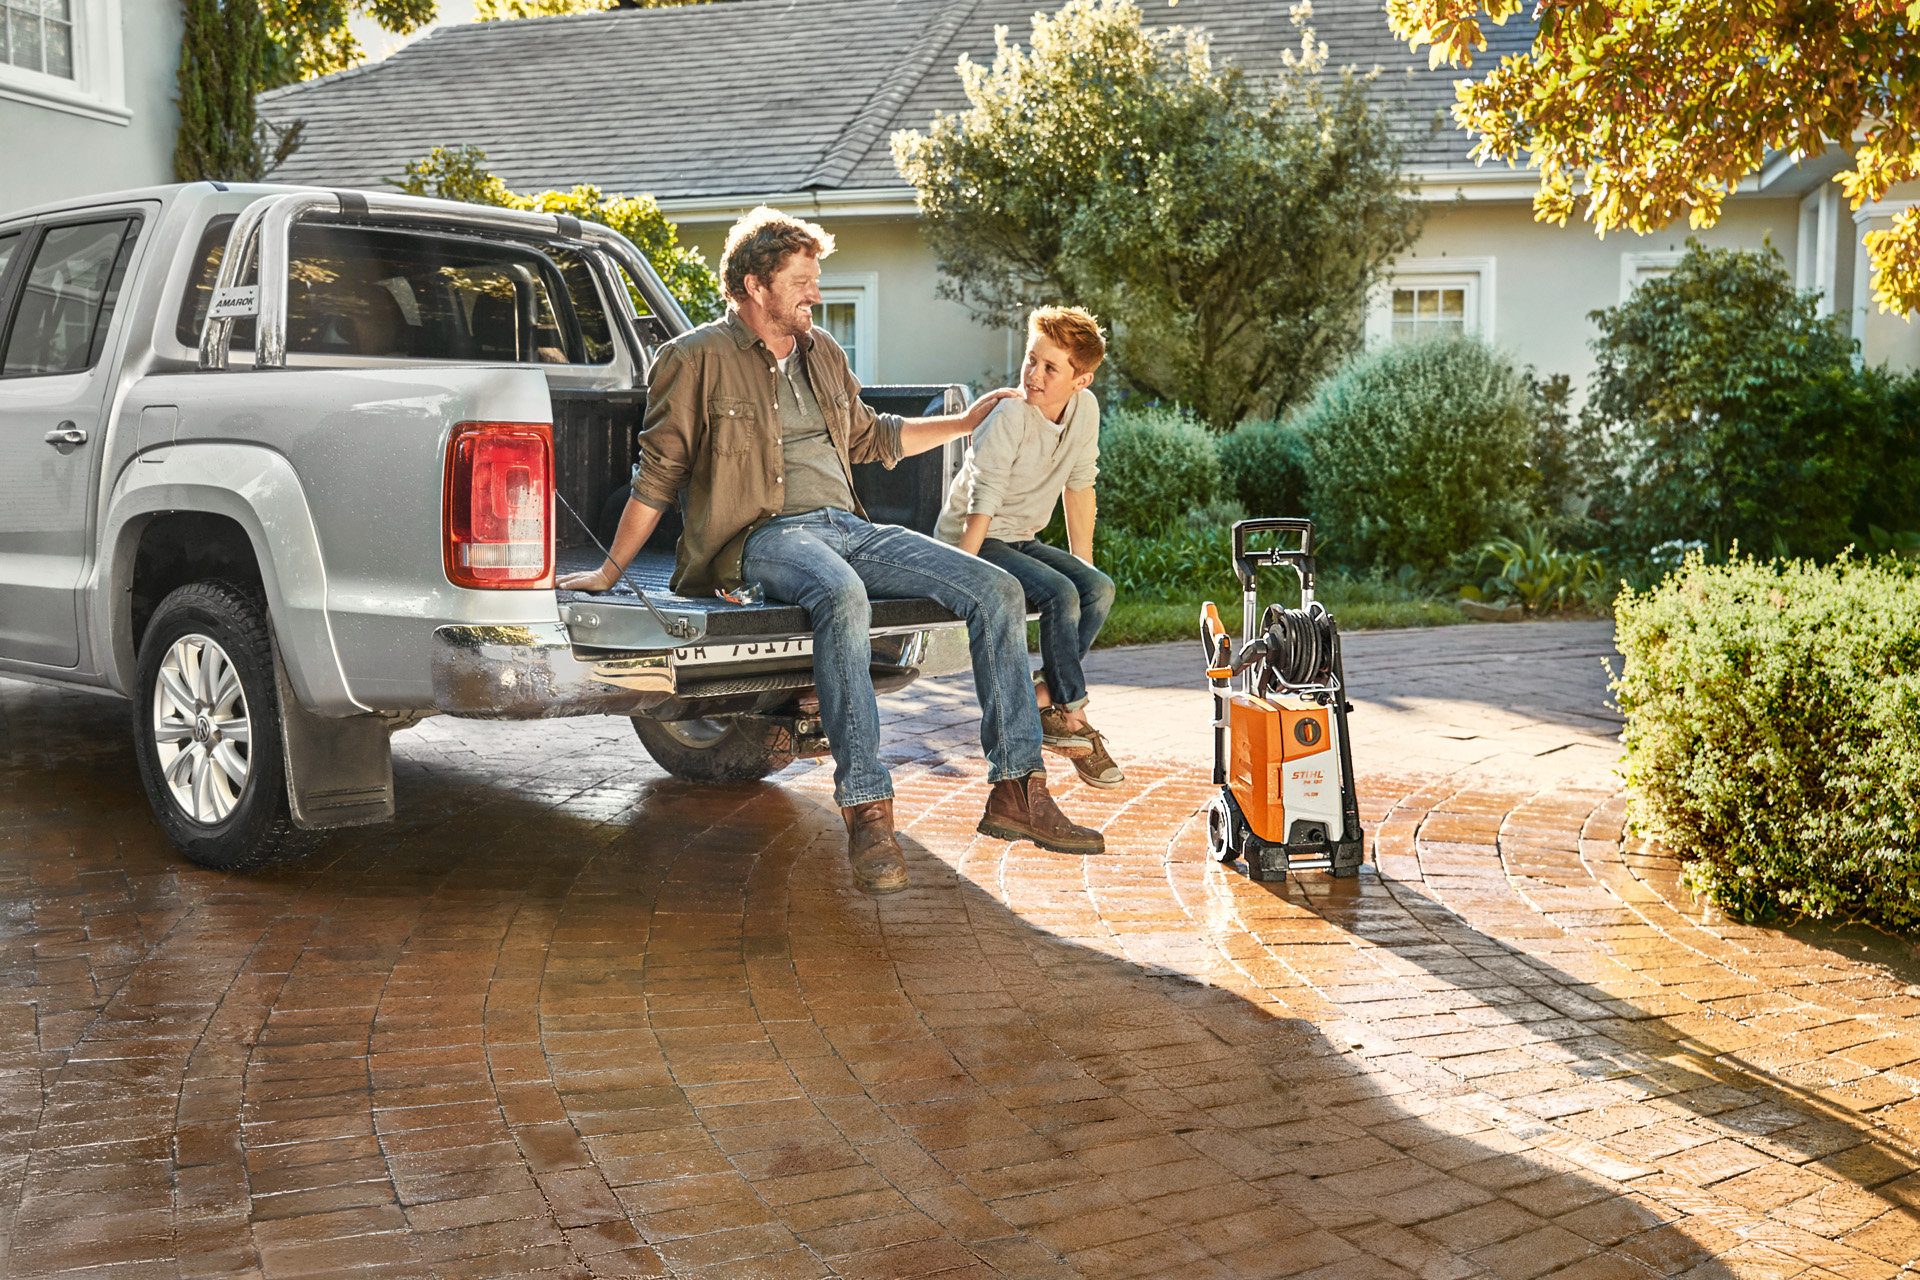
point(292, 469)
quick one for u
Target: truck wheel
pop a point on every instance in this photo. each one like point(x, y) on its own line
point(206, 729)
point(735, 749)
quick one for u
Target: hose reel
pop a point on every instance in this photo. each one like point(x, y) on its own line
point(1295, 648)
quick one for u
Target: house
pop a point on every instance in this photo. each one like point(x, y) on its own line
point(86, 97)
point(715, 108)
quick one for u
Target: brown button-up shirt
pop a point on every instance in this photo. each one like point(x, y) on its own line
point(711, 430)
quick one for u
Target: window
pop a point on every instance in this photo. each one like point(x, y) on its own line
point(362, 292)
point(1425, 313)
point(67, 305)
point(1637, 268)
point(846, 312)
point(37, 35)
point(1432, 298)
point(8, 243)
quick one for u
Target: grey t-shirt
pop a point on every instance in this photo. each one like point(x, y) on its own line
point(815, 478)
point(1017, 465)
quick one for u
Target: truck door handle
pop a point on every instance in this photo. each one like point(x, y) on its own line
point(66, 437)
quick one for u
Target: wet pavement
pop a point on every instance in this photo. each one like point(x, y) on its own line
point(568, 1016)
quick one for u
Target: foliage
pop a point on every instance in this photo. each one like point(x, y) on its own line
point(461, 173)
point(1419, 450)
point(1731, 410)
point(1537, 573)
point(312, 38)
point(1564, 458)
point(1268, 468)
point(1227, 229)
point(1773, 732)
point(224, 54)
point(1659, 110)
point(496, 10)
point(1156, 464)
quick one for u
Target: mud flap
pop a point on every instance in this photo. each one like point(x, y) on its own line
point(339, 768)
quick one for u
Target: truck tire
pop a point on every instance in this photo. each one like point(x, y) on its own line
point(734, 749)
point(206, 729)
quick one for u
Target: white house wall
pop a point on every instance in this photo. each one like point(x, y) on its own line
point(114, 128)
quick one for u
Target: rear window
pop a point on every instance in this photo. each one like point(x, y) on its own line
point(361, 292)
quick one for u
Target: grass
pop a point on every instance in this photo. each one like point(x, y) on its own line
point(1155, 619)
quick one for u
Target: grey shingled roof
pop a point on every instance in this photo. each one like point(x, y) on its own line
point(755, 97)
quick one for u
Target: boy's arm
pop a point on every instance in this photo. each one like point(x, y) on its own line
point(974, 534)
point(1078, 506)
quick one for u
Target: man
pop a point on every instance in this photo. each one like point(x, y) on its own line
point(1030, 456)
point(758, 417)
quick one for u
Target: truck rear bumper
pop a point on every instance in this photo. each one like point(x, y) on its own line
point(530, 672)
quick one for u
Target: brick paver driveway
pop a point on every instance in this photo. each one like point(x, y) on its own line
point(570, 1017)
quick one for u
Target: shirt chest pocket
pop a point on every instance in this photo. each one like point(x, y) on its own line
point(732, 425)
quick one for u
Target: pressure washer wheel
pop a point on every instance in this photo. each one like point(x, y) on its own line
point(1223, 842)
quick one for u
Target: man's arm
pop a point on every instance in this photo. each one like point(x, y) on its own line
point(636, 526)
point(917, 435)
point(1078, 504)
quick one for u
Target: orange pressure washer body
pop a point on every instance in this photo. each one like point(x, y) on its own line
point(1282, 759)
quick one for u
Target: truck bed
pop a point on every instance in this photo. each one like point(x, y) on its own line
point(724, 619)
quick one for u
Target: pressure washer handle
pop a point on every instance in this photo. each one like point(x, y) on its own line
point(1301, 559)
point(1214, 636)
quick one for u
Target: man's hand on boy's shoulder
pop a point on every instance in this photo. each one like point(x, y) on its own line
point(977, 411)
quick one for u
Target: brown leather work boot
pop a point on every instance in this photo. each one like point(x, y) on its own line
point(1021, 809)
point(878, 864)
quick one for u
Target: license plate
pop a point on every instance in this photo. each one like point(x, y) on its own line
point(701, 655)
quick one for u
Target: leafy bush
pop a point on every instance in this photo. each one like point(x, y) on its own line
point(1156, 464)
point(1266, 467)
point(1773, 732)
point(1419, 450)
point(1537, 573)
point(1732, 412)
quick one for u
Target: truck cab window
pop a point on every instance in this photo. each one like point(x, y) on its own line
point(67, 304)
point(363, 292)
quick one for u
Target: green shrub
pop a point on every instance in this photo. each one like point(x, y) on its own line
point(1537, 573)
point(1773, 732)
point(1419, 452)
point(1156, 464)
point(1265, 467)
point(1732, 412)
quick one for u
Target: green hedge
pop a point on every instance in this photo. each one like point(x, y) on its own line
point(1773, 732)
point(1419, 452)
point(1267, 467)
point(1156, 464)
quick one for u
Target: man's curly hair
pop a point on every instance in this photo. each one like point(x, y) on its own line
point(760, 244)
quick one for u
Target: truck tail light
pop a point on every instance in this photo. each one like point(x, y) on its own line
point(499, 505)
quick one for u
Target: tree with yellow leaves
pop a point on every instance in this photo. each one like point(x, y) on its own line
point(1659, 107)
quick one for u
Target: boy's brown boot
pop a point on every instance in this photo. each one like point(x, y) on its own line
point(1021, 809)
point(878, 864)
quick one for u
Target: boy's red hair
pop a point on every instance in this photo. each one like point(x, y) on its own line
point(1073, 330)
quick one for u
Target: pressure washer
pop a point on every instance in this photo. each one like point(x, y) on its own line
point(1281, 753)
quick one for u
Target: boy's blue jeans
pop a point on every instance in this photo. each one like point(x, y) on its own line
point(1073, 598)
point(830, 563)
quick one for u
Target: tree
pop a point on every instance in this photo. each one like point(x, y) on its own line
point(1661, 109)
point(461, 173)
point(1227, 230)
point(1730, 411)
point(312, 38)
point(224, 52)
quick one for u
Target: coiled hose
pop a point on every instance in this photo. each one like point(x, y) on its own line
point(1295, 648)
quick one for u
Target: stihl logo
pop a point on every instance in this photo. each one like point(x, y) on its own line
point(1307, 733)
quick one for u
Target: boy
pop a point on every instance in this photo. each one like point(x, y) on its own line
point(1031, 452)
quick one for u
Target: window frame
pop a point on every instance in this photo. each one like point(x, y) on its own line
point(1476, 275)
point(862, 289)
point(11, 288)
point(98, 90)
point(1634, 263)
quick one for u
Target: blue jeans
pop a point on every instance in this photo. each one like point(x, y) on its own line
point(1073, 598)
point(830, 562)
